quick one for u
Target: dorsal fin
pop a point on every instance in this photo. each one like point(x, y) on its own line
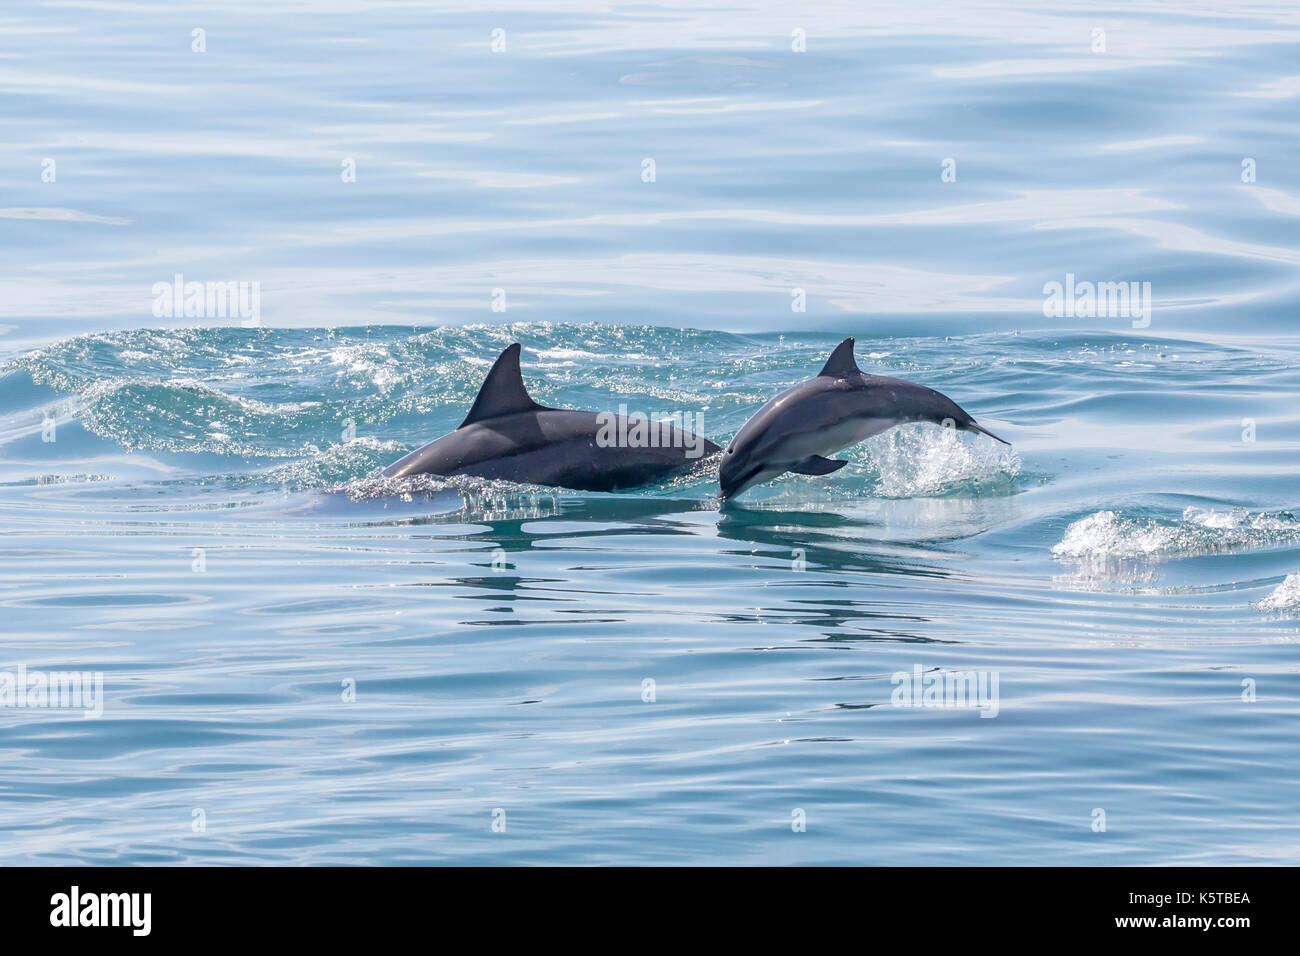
point(841, 361)
point(503, 391)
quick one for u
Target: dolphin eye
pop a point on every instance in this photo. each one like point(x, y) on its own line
point(731, 451)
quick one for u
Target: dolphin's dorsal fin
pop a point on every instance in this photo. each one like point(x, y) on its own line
point(503, 391)
point(841, 361)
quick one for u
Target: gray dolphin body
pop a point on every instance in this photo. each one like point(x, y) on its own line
point(840, 407)
point(508, 435)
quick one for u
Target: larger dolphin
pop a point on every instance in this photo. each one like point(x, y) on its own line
point(840, 407)
point(508, 435)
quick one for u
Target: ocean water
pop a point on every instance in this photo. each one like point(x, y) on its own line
point(680, 210)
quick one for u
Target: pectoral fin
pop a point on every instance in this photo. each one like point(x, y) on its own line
point(817, 465)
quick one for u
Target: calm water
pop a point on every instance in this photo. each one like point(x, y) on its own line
point(305, 664)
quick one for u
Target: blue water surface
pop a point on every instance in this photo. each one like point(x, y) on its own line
point(681, 210)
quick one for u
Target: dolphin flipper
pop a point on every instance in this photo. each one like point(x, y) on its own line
point(817, 465)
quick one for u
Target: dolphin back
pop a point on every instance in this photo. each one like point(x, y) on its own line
point(509, 436)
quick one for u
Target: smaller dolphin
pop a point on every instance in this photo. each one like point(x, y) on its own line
point(508, 435)
point(840, 407)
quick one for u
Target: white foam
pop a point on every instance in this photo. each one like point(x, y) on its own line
point(1106, 534)
point(1285, 597)
point(1111, 535)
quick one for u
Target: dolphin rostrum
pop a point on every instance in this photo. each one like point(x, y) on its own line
point(840, 407)
point(508, 435)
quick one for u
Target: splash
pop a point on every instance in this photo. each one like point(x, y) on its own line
point(1110, 535)
point(1285, 597)
point(924, 461)
point(463, 497)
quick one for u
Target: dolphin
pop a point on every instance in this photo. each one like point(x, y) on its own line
point(508, 435)
point(840, 407)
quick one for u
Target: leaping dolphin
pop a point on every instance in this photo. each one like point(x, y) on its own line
point(508, 435)
point(840, 407)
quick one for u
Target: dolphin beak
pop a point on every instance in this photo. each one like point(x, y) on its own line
point(733, 485)
point(984, 431)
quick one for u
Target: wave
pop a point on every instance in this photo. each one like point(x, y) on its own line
point(324, 407)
